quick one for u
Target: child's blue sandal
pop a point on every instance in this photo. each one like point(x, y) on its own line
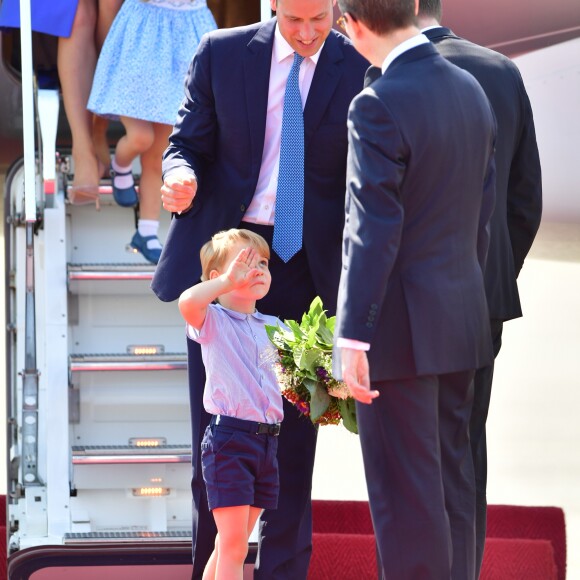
point(139, 244)
point(124, 196)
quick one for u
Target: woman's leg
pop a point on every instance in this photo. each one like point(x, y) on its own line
point(77, 58)
point(107, 10)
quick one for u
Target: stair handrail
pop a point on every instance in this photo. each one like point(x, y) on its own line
point(30, 374)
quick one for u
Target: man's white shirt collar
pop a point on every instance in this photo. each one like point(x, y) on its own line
point(403, 47)
point(283, 50)
point(431, 27)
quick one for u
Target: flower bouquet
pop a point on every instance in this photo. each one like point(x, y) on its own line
point(304, 369)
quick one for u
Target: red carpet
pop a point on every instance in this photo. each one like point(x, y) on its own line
point(534, 523)
point(343, 557)
point(523, 543)
point(518, 559)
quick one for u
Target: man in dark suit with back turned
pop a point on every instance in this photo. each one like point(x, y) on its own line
point(224, 169)
point(516, 216)
point(420, 193)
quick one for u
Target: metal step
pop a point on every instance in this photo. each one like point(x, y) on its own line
point(109, 272)
point(123, 454)
point(105, 192)
point(92, 279)
point(80, 363)
point(119, 537)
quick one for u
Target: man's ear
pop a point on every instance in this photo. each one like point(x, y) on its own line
point(416, 7)
point(356, 28)
point(273, 5)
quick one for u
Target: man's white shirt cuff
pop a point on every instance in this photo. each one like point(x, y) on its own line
point(352, 343)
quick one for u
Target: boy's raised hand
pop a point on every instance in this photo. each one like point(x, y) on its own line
point(242, 270)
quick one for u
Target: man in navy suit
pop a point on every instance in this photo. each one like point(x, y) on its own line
point(420, 193)
point(516, 216)
point(221, 171)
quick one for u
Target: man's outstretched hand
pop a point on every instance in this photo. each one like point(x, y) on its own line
point(355, 373)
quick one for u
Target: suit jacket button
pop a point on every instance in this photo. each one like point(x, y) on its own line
point(242, 207)
point(369, 324)
point(374, 307)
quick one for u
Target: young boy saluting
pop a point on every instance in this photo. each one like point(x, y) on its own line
point(241, 392)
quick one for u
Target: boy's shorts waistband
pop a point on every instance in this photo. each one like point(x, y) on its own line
point(249, 426)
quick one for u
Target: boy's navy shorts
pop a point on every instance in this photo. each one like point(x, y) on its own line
point(239, 465)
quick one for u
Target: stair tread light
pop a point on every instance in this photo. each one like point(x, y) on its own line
point(150, 491)
point(145, 349)
point(147, 441)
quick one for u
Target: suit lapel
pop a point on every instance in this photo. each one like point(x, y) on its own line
point(326, 76)
point(257, 60)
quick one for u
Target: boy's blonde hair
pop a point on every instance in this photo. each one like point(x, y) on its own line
point(213, 254)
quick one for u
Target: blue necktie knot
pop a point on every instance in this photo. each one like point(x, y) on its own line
point(287, 239)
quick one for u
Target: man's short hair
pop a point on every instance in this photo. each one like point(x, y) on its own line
point(213, 254)
point(430, 8)
point(381, 16)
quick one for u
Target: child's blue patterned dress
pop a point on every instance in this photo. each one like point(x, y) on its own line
point(144, 61)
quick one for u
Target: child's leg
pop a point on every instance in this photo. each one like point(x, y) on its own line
point(150, 182)
point(209, 570)
point(253, 518)
point(145, 239)
point(107, 10)
point(138, 138)
point(232, 541)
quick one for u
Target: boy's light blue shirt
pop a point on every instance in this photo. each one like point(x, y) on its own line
point(239, 365)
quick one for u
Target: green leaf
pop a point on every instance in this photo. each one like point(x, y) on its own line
point(272, 331)
point(307, 360)
point(331, 323)
point(316, 307)
point(319, 399)
point(347, 409)
point(311, 340)
point(293, 325)
point(279, 338)
point(325, 336)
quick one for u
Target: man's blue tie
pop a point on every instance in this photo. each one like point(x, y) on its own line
point(287, 238)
